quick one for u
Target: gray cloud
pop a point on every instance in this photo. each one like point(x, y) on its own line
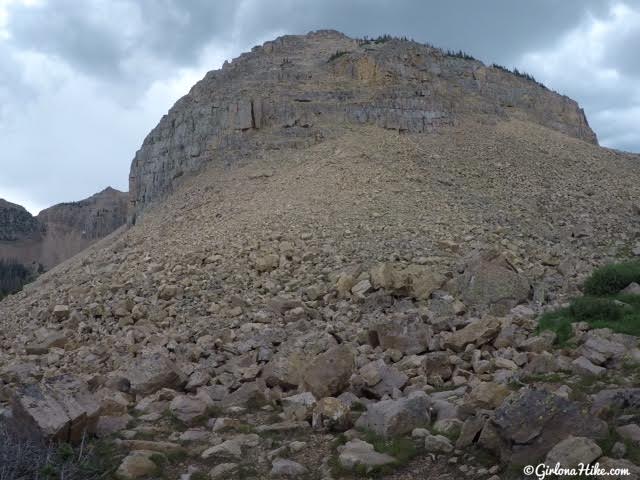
point(98, 37)
point(81, 83)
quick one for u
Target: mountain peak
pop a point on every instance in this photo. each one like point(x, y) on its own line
point(300, 89)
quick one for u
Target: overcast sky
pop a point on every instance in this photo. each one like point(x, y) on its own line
point(83, 81)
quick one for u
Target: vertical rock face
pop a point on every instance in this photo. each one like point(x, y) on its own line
point(59, 232)
point(293, 90)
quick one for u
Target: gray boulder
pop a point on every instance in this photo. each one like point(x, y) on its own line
point(151, 372)
point(357, 453)
point(390, 418)
point(328, 374)
point(572, 451)
point(533, 421)
point(490, 280)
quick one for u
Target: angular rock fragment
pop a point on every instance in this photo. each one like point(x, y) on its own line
point(573, 451)
point(60, 408)
point(152, 372)
point(328, 374)
point(489, 279)
point(533, 421)
point(390, 418)
point(357, 453)
point(477, 332)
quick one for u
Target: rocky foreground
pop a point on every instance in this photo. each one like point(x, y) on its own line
point(364, 304)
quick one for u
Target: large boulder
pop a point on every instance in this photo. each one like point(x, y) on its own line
point(405, 333)
point(60, 409)
point(328, 374)
point(532, 421)
point(490, 280)
point(615, 399)
point(391, 418)
point(151, 372)
point(285, 370)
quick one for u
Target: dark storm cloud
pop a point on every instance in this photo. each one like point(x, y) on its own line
point(97, 37)
point(83, 81)
point(500, 29)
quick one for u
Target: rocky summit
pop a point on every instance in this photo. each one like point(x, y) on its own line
point(340, 258)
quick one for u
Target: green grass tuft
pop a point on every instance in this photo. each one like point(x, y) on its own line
point(603, 306)
point(620, 313)
point(401, 448)
point(611, 279)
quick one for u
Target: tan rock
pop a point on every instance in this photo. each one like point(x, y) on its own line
point(331, 414)
point(328, 374)
point(573, 451)
point(137, 465)
point(477, 332)
point(151, 372)
point(61, 409)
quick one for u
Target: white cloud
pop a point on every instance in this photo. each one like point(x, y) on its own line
point(585, 63)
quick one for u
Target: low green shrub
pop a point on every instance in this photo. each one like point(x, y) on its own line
point(611, 279)
point(603, 306)
point(620, 314)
